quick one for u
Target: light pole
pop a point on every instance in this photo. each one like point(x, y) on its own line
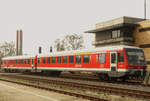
point(144, 9)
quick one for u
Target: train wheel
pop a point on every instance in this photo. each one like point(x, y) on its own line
point(55, 73)
point(123, 79)
point(113, 79)
point(104, 77)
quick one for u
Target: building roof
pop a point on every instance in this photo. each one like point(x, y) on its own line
point(112, 27)
point(116, 23)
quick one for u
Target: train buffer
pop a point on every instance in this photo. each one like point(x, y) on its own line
point(147, 78)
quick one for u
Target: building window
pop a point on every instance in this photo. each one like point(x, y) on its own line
point(120, 57)
point(145, 46)
point(48, 60)
point(78, 59)
point(148, 62)
point(85, 58)
point(71, 59)
point(64, 59)
point(116, 34)
point(53, 60)
point(102, 58)
point(144, 29)
point(58, 59)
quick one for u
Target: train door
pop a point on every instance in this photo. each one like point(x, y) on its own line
point(35, 63)
point(113, 61)
point(32, 63)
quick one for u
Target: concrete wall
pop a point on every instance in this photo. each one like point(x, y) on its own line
point(143, 38)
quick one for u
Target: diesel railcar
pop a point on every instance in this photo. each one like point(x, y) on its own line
point(113, 61)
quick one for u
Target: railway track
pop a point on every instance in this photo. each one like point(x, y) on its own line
point(98, 88)
point(88, 97)
point(95, 78)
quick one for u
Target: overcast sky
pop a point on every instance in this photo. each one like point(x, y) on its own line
point(43, 21)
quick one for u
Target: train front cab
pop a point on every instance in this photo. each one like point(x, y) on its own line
point(129, 62)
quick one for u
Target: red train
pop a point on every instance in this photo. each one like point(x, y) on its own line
point(113, 61)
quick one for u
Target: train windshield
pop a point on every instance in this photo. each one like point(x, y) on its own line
point(135, 56)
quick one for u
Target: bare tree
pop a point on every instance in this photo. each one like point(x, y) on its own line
point(7, 49)
point(69, 42)
point(73, 42)
point(59, 45)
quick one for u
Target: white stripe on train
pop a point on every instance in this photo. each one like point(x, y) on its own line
point(71, 69)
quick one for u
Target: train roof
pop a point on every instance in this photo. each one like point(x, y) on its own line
point(73, 52)
point(18, 57)
point(87, 51)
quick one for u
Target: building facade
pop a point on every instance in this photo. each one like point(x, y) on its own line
point(142, 38)
point(124, 31)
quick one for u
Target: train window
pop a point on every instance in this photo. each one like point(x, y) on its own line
point(32, 61)
point(44, 60)
point(85, 58)
point(38, 60)
point(71, 59)
point(102, 58)
point(11, 62)
point(58, 59)
point(48, 60)
point(64, 59)
point(53, 59)
point(22, 61)
point(120, 57)
point(78, 59)
point(28, 61)
point(25, 61)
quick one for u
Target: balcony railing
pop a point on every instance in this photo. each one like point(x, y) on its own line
point(114, 40)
